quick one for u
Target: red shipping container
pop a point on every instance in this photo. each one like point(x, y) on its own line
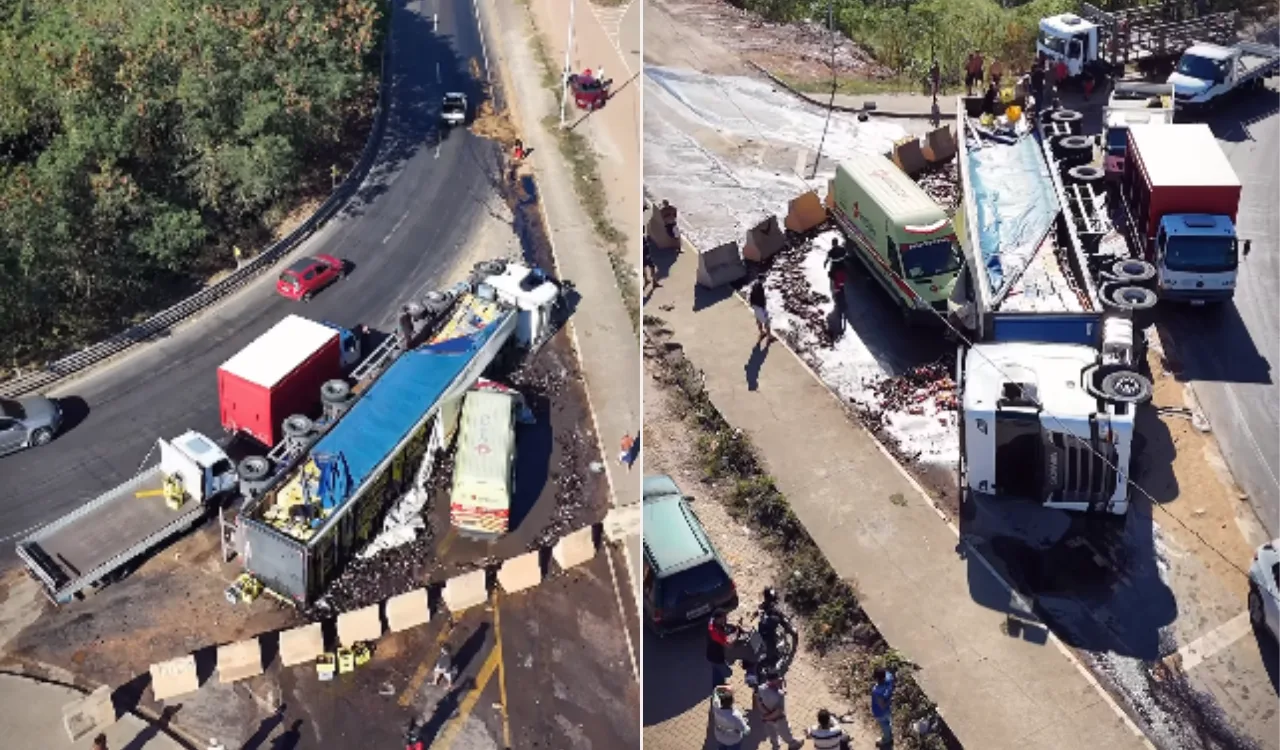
point(1177, 169)
point(276, 376)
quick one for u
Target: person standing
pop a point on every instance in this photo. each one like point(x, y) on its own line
point(719, 637)
point(771, 700)
point(882, 705)
point(100, 742)
point(996, 72)
point(973, 71)
point(650, 266)
point(1037, 86)
point(444, 669)
point(935, 78)
point(729, 723)
point(630, 450)
point(759, 306)
point(827, 734)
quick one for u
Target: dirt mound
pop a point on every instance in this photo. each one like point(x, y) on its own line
point(494, 125)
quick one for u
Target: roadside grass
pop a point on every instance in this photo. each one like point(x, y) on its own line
point(581, 156)
point(827, 605)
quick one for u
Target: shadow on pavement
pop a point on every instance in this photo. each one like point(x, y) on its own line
point(264, 730)
point(878, 324)
point(533, 458)
point(1195, 339)
point(1270, 651)
point(758, 354)
point(677, 676)
point(153, 729)
point(1248, 108)
point(75, 410)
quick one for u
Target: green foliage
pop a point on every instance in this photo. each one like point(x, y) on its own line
point(133, 132)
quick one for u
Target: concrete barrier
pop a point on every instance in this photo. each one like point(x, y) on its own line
point(521, 572)
point(764, 241)
point(575, 548)
point(622, 521)
point(465, 591)
point(175, 677)
point(805, 212)
point(408, 610)
point(721, 265)
point(92, 713)
point(301, 645)
point(360, 625)
point(238, 661)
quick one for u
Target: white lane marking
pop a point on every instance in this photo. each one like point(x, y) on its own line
point(435, 22)
point(438, 78)
point(484, 49)
point(23, 533)
point(438, 142)
point(387, 239)
point(1211, 643)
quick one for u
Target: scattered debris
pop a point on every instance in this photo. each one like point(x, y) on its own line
point(942, 183)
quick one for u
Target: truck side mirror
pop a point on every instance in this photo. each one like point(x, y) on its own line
point(1248, 245)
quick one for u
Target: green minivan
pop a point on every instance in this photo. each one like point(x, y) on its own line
point(685, 581)
point(901, 235)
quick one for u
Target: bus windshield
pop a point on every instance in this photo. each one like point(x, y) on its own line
point(1201, 254)
point(930, 258)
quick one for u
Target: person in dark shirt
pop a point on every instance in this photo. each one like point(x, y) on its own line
point(1037, 86)
point(989, 99)
point(759, 307)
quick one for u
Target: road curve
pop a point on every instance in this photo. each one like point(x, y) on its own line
point(1231, 354)
point(403, 232)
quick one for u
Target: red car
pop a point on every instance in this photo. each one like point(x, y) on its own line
point(307, 276)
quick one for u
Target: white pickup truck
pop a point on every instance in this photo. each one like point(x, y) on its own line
point(453, 111)
point(1208, 72)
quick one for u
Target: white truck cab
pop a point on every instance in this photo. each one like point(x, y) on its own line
point(1207, 72)
point(532, 294)
point(1051, 423)
point(1069, 38)
point(203, 469)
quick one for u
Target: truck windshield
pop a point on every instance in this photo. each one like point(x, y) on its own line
point(1117, 141)
point(1053, 43)
point(1201, 254)
point(1200, 68)
point(931, 258)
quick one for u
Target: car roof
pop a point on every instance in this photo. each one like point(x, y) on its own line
point(673, 538)
point(301, 265)
point(455, 95)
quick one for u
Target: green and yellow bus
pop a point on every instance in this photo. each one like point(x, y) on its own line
point(906, 240)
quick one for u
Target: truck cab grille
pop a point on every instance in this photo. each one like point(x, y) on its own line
point(1083, 476)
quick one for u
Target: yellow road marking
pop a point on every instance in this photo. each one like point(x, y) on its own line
point(450, 733)
point(446, 542)
point(149, 493)
point(502, 672)
point(420, 674)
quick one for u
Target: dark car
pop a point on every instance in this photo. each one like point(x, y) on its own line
point(307, 276)
point(27, 422)
point(685, 580)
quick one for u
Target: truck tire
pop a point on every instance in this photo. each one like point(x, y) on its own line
point(1069, 117)
point(1125, 387)
point(1085, 174)
point(1075, 149)
point(298, 426)
point(436, 302)
point(335, 392)
point(1133, 298)
point(1134, 272)
point(491, 267)
point(254, 468)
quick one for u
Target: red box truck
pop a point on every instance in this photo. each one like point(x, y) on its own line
point(1177, 169)
point(278, 375)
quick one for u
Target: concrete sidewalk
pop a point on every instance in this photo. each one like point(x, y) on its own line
point(879, 530)
point(603, 333)
point(31, 715)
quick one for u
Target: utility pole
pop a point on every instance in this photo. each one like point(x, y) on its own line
point(835, 84)
point(564, 77)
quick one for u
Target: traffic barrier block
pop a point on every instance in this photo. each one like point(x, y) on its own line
point(408, 610)
point(465, 591)
point(175, 677)
point(721, 265)
point(805, 212)
point(575, 548)
point(764, 240)
point(238, 661)
point(301, 645)
point(94, 712)
point(360, 625)
point(622, 521)
point(939, 145)
point(521, 572)
point(908, 156)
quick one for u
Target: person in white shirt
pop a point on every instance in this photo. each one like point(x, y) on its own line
point(771, 700)
point(729, 723)
point(827, 734)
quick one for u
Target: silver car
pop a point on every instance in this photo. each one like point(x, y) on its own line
point(1264, 588)
point(26, 422)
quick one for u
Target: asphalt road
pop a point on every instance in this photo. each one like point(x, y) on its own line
point(402, 233)
point(1231, 354)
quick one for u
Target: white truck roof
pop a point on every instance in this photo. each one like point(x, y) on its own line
point(1210, 51)
point(1182, 155)
point(279, 351)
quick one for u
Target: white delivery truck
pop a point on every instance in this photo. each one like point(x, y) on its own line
point(1208, 72)
point(484, 466)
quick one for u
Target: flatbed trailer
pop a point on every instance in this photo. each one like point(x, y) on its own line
point(92, 543)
